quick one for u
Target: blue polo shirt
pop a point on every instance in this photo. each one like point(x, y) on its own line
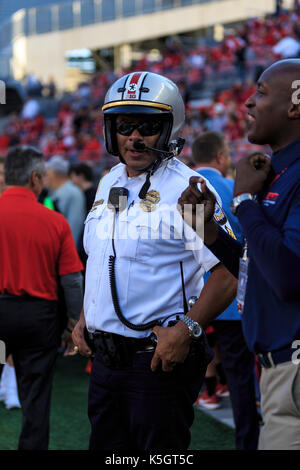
point(271, 318)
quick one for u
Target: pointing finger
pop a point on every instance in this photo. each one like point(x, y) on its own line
point(194, 180)
point(207, 193)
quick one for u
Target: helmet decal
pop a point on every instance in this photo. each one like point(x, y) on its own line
point(133, 86)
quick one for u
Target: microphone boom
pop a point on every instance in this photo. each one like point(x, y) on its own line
point(142, 147)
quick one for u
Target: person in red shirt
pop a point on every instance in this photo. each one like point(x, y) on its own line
point(2, 180)
point(91, 150)
point(36, 249)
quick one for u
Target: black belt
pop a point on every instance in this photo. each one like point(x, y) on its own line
point(117, 352)
point(272, 358)
point(25, 297)
point(134, 344)
point(12, 296)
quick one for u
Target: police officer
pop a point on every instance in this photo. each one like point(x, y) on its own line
point(144, 265)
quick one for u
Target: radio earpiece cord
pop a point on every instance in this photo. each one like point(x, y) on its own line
point(114, 196)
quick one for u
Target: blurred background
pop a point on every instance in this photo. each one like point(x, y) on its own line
point(58, 58)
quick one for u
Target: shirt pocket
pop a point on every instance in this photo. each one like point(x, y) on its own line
point(140, 236)
point(96, 229)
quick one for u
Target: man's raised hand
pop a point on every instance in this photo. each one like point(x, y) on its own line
point(191, 196)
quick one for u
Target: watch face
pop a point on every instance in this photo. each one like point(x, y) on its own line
point(197, 331)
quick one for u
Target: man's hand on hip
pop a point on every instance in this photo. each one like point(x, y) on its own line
point(173, 344)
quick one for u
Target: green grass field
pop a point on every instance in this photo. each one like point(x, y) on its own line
point(69, 422)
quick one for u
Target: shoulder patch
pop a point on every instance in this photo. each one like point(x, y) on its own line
point(114, 168)
point(97, 203)
point(219, 215)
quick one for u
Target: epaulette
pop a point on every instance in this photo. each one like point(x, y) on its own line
point(181, 169)
point(107, 175)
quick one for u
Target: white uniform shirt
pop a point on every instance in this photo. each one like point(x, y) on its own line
point(149, 248)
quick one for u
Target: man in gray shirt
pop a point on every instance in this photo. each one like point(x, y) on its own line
point(68, 198)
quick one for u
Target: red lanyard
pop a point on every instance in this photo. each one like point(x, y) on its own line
point(277, 177)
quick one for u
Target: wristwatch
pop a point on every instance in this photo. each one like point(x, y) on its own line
point(236, 201)
point(195, 330)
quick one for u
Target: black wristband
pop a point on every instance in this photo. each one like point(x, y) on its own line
point(228, 251)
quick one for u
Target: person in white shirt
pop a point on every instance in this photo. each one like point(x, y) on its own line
point(68, 197)
point(287, 47)
point(145, 268)
point(30, 109)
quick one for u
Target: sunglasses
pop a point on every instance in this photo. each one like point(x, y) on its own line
point(145, 128)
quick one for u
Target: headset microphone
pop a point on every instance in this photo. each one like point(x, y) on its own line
point(142, 147)
point(139, 145)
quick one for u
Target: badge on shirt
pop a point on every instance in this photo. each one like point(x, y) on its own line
point(219, 215)
point(148, 204)
point(270, 199)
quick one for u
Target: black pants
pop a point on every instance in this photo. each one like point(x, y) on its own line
point(30, 329)
point(140, 409)
point(238, 363)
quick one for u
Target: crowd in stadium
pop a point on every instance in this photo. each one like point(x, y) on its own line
point(76, 131)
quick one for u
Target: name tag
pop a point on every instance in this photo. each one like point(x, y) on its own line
point(242, 284)
point(243, 278)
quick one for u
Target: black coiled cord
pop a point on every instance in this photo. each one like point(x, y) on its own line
point(114, 293)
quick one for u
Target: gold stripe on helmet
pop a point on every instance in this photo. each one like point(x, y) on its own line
point(113, 104)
